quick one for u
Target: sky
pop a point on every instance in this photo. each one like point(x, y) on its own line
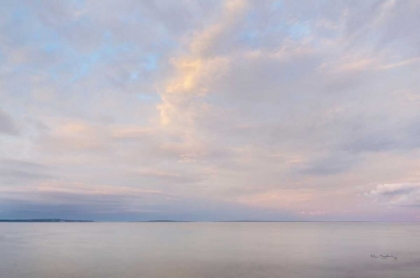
point(210, 110)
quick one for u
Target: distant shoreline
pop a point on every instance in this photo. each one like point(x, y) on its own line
point(43, 220)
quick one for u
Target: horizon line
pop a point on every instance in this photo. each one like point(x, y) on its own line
point(57, 220)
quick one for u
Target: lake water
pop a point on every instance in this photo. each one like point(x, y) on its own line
point(181, 250)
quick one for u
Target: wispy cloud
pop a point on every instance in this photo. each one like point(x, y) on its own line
point(7, 125)
point(397, 194)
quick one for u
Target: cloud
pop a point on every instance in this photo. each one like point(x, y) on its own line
point(330, 165)
point(397, 194)
point(76, 195)
point(19, 172)
point(7, 125)
point(76, 136)
point(220, 37)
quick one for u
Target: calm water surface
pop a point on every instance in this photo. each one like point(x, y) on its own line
point(181, 250)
